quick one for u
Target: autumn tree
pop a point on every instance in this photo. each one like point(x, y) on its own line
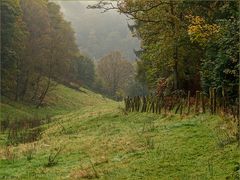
point(191, 44)
point(218, 35)
point(35, 16)
point(115, 73)
point(166, 49)
point(13, 34)
point(38, 49)
point(84, 71)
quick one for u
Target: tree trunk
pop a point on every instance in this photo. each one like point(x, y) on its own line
point(17, 87)
point(188, 102)
point(43, 95)
point(175, 50)
point(37, 88)
point(17, 81)
point(25, 87)
point(176, 84)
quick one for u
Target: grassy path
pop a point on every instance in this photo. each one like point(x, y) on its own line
point(100, 141)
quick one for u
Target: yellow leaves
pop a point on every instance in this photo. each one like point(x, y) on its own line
point(200, 31)
point(230, 71)
point(195, 20)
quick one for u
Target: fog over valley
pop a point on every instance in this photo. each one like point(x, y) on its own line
point(99, 33)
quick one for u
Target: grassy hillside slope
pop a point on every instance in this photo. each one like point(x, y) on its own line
point(99, 140)
point(59, 101)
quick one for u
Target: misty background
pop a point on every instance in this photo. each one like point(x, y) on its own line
point(99, 33)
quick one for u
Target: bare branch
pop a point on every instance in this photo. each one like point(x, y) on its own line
point(130, 13)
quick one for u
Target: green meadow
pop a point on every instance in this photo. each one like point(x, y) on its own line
point(92, 137)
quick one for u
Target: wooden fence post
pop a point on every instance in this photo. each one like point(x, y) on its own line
point(144, 106)
point(224, 100)
point(132, 104)
point(127, 103)
point(164, 106)
point(188, 102)
point(179, 107)
point(211, 99)
point(148, 101)
point(203, 102)
point(138, 103)
point(238, 121)
point(182, 106)
point(197, 102)
point(214, 101)
point(153, 104)
point(157, 104)
point(160, 101)
point(135, 103)
point(150, 104)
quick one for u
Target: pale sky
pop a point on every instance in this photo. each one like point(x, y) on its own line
point(99, 33)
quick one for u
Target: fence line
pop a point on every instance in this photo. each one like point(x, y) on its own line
point(184, 104)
